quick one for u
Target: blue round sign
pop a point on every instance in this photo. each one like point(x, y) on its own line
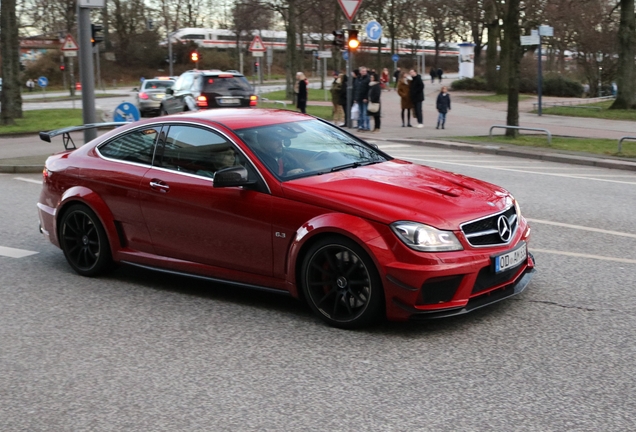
point(345, 55)
point(373, 30)
point(395, 57)
point(126, 112)
point(43, 82)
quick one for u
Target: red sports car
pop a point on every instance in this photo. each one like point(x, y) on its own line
point(283, 201)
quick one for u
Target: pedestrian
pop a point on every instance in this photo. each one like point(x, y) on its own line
point(343, 99)
point(440, 72)
point(443, 106)
point(338, 113)
point(417, 96)
point(301, 102)
point(404, 90)
point(374, 101)
point(384, 79)
point(30, 84)
point(433, 74)
point(362, 99)
point(396, 76)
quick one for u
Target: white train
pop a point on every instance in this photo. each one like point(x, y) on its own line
point(223, 39)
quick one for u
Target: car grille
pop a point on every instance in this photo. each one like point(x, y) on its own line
point(483, 232)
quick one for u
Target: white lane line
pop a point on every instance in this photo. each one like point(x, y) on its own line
point(28, 180)
point(584, 228)
point(393, 145)
point(527, 172)
point(581, 255)
point(15, 253)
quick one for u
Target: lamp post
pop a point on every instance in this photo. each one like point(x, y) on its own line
point(599, 60)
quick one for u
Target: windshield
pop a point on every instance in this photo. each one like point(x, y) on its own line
point(306, 148)
point(224, 85)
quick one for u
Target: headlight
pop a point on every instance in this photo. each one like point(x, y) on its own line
point(425, 238)
point(517, 209)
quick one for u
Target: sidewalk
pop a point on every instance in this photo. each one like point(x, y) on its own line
point(467, 118)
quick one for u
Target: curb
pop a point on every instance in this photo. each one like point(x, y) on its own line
point(21, 169)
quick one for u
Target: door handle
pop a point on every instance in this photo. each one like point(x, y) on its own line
point(159, 185)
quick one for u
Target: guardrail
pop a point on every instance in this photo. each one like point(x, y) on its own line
point(521, 128)
point(620, 142)
point(283, 103)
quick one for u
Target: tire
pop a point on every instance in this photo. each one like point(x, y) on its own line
point(162, 111)
point(341, 284)
point(84, 241)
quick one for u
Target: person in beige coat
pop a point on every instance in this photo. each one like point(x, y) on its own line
point(403, 89)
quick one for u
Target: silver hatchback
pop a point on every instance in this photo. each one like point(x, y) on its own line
point(151, 94)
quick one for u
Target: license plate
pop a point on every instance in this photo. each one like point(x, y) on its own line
point(510, 259)
point(229, 101)
point(159, 96)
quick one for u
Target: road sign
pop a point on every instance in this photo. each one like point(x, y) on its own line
point(350, 7)
point(324, 54)
point(546, 30)
point(395, 57)
point(530, 40)
point(257, 45)
point(258, 54)
point(43, 82)
point(345, 55)
point(70, 53)
point(126, 112)
point(373, 30)
point(69, 44)
point(91, 3)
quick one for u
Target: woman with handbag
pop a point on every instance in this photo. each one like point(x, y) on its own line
point(373, 107)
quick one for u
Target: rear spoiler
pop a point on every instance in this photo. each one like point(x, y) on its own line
point(66, 132)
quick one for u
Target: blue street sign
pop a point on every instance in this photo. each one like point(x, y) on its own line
point(43, 82)
point(345, 55)
point(373, 30)
point(395, 57)
point(126, 112)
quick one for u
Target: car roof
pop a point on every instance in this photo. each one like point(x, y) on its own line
point(217, 72)
point(241, 118)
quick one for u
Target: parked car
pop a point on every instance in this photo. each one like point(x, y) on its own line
point(204, 89)
point(150, 95)
point(286, 202)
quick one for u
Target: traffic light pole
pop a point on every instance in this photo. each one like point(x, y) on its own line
point(349, 84)
point(87, 73)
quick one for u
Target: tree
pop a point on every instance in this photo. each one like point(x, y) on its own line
point(513, 46)
point(11, 98)
point(247, 16)
point(626, 52)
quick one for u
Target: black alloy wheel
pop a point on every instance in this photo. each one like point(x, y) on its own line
point(341, 284)
point(84, 241)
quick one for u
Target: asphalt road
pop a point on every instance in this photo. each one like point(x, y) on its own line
point(140, 351)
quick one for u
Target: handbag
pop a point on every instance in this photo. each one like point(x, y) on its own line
point(355, 111)
point(373, 107)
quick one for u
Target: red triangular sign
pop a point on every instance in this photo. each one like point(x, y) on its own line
point(350, 7)
point(69, 43)
point(257, 44)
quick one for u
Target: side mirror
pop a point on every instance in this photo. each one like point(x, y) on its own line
point(135, 89)
point(232, 177)
point(169, 91)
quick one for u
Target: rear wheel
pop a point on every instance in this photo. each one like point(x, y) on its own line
point(162, 111)
point(84, 241)
point(341, 283)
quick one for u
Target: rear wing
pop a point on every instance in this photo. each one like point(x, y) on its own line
point(66, 132)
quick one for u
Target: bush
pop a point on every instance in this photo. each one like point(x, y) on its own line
point(469, 84)
point(560, 86)
point(527, 85)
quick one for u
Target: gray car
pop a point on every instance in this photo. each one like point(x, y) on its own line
point(150, 95)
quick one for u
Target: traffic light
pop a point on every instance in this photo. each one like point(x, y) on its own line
point(353, 43)
point(97, 34)
point(338, 39)
point(194, 56)
point(255, 67)
point(62, 67)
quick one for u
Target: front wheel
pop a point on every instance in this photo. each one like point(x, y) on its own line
point(84, 241)
point(162, 111)
point(341, 284)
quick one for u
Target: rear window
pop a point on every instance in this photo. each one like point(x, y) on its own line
point(225, 84)
point(157, 84)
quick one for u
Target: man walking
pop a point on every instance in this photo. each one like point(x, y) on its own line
point(417, 96)
point(396, 77)
point(362, 98)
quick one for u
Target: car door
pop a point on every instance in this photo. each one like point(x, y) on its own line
point(174, 103)
point(190, 220)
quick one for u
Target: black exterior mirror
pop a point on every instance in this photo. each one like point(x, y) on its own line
point(231, 177)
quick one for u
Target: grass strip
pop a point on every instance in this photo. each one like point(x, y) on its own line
point(496, 97)
point(35, 121)
point(323, 112)
point(316, 95)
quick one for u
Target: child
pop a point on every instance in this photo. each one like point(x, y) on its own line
point(443, 106)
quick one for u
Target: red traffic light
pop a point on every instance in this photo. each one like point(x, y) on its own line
point(194, 56)
point(62, 67)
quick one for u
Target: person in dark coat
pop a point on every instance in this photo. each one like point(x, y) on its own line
point(443, 106)
point(336, 86)
point(343, 99)
point(417, 96)
point(301, 103)
point(404, 90)
point(440, 72)
point(396, 76)
point(361, 98)
point(375, 91)
point(433, 74)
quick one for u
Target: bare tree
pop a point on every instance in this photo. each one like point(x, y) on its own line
point(247, 16)
point(11, 97)
point(513, 46)
point(627, 51)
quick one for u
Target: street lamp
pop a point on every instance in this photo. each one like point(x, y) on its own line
point(599, 60)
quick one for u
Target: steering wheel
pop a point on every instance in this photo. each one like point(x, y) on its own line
point(319, 155)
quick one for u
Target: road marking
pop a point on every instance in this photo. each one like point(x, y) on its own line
point(584, 228)
point(15, 253)
point(28, 180)
point(528, 172)
point(581, 255)
point(392, 145)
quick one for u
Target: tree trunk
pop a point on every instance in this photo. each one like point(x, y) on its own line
point(492, 24)
point(626, 52)
point(291, 60)
point(11, 98)
point(513, 36)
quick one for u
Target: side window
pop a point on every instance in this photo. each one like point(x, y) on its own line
point(178, 84)
point(137, 146)
point(188, 79)
point(196, 151)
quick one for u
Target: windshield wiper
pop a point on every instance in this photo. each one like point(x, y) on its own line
point(345, 166)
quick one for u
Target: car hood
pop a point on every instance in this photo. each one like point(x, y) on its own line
point(399, 190)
